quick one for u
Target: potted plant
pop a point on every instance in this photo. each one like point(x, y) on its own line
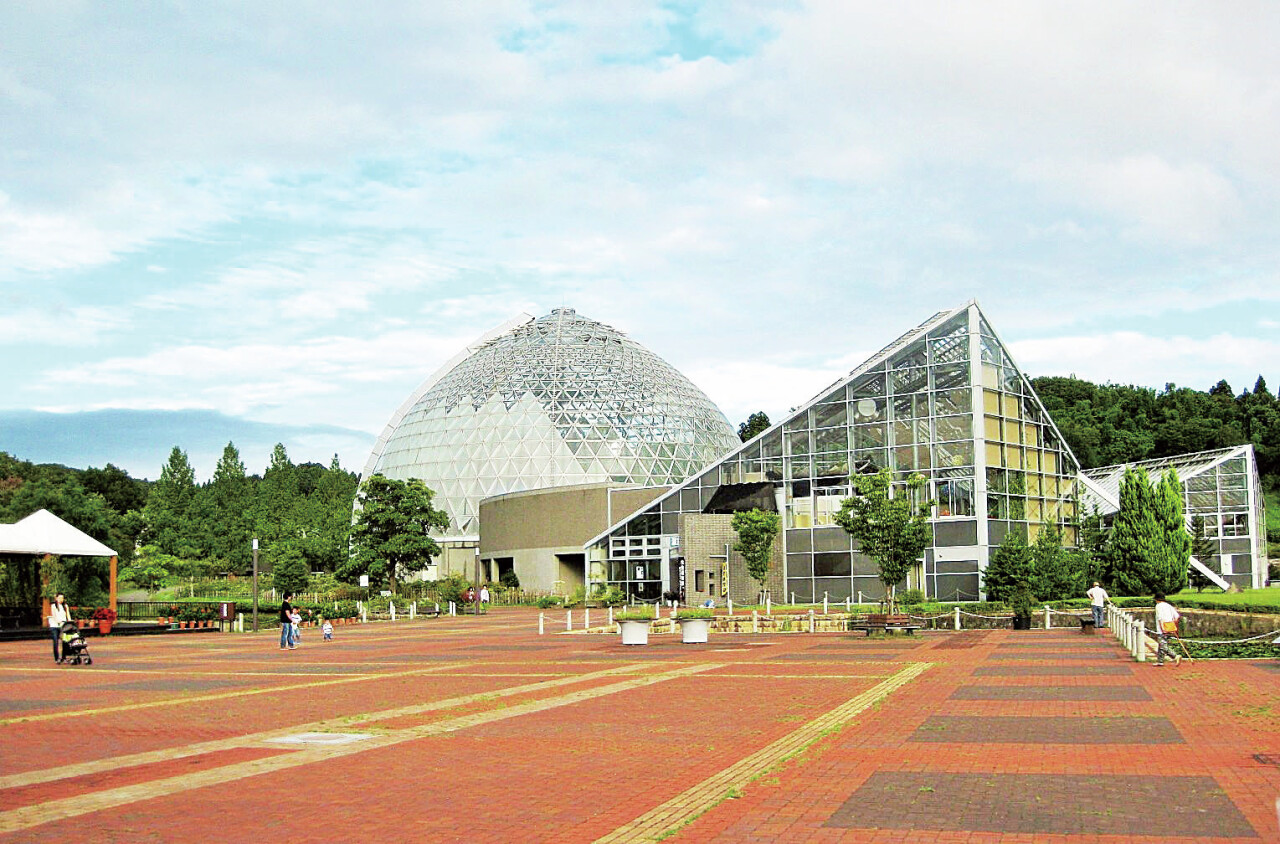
point(1022, 601)
point(695, 624)
point(634, 625)
point(105, 616)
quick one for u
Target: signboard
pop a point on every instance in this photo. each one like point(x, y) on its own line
point(227, 611)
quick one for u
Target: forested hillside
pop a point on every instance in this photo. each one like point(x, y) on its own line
point(1109, 423)
point(300, 514)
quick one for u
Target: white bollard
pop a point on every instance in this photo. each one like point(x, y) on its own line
point(768, 605)
point(824, 603)
point(859, 596)
point(542, 631)
point(730, 600)
point(391, 606)
point(568, 620)
point(610, 616)
point(848, 604)
point(364, 616)
point(1142, 641)
point(586, 618)
point(957, 618)
point(413, 610)
point(1048, 622)
point(793, 599)
point(674, 604)
point(812, 623)
point(437, 607)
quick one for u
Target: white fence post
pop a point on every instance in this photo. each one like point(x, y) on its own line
point(586, 618)
point(568, 620)
point(768, 605)
point(824, 603)
point(542, 630)
point(391, 605)
point(610, 616)
point(730, 600)
point(1048, 622)
point(1142, 641)
point(812, 623)
point(364, 616)
point(957, 618)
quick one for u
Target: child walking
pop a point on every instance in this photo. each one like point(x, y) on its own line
point(327, 629)
point(295, 619)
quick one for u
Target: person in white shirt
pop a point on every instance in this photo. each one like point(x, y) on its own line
point(1166, 624)
point(484, 598)
point(58, 613)
point(1099, 597)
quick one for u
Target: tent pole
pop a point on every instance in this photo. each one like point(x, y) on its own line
point(115, 561)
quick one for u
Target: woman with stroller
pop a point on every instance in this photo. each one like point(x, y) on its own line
point(58, 613)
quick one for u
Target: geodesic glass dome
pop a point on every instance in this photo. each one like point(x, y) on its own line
point(549, 402)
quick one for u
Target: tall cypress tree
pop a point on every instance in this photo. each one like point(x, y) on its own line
point(230, 508)
point(167, 514)
point(1135, 535)
point(1173, 545)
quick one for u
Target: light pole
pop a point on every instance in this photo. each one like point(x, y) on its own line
point(255, 585)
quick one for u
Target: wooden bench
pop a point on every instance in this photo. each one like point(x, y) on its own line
point(885, 623)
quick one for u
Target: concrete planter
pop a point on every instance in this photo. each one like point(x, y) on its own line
point(634, 632)
point(693, 631)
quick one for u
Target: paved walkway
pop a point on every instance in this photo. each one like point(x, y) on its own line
point(478, 729)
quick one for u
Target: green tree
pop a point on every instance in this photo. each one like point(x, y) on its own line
point(756, 423)
point(1135, 535)
point(756, 530)
point(1203, 549)
point(1011, 567)
point(289, 571)
point(329, 536)
point(1172, 549)
point(1058, 573)
point(391, 534)
point(230, 505)
point(277, 501)
point(167, 514)
point(148, 569)
point(890, 525)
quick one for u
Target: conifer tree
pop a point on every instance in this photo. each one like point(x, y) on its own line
point(1135, 536)
point(230, 499)
point(1010, 567)
point(1168, 565)
point(167, 514)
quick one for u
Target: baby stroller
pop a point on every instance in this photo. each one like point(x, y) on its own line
point(74, 648)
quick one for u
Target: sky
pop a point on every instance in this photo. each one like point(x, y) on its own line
point(269, 222)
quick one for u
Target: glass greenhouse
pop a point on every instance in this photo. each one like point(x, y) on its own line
point(549, 402)
point(1221, 491)
point(944, 400)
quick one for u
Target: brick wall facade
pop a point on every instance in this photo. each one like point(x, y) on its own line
point(702, 542)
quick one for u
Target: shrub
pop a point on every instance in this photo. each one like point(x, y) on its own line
point(911, 597)
point(695, 612)
point(510, 579)
point(546, 602)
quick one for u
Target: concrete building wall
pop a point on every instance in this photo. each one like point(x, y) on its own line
point(703, 538)
point(540, 533)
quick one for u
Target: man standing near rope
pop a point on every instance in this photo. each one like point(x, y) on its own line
point(1099, 597)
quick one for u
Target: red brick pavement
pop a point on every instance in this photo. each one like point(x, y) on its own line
point(483, 731)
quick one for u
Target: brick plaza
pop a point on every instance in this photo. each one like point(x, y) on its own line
point(479, 729)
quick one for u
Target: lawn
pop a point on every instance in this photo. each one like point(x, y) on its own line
point(1258, 597)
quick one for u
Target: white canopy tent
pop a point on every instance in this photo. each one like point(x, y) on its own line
point(43, 533)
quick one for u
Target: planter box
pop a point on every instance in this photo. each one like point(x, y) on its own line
point(693, 631)
point(634, 632)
